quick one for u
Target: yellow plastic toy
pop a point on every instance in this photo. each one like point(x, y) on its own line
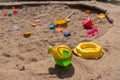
point(33, 24)
point(88, 50)
point(61, 22)
point(64, 20)
point(13, 7)
point(62, 54)
point(27, 34)
point(101, 16)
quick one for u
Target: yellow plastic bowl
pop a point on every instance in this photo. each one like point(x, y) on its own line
point(88, 50)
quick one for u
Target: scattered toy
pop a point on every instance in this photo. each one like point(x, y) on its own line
point(88, 50)
point(27, 34)
point(88, 11)
point(33, 24)
point(10, 14)
point(93, 32)
point(37, 21)
point(45, 39)
point(87, 23)
point(15, 11)
point(64, 21)
point(66, 34)
point(59, 28)
point(61, 22)
point(101, 15)
point(15, 27)
point(5, 14)
point(13, 7)
point(52, 26)
point(62, 55)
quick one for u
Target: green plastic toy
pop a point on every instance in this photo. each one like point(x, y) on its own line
point(62, 55)
point(10, 14)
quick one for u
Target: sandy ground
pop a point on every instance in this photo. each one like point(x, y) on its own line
point(27, 58)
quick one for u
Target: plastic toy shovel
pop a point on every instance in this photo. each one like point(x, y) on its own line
point(64, 20)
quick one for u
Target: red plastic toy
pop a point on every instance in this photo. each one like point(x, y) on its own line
point(15, 12)
point(87, 23)
point(5, 14)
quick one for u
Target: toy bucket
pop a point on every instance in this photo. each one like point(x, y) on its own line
point(87, 23)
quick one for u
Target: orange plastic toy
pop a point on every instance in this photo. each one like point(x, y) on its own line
point(88, 11)
point(59, 28)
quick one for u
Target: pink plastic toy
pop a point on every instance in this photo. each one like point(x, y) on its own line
point(15, 11)
point(87, 23)
point(36, 21)
point(5, 14)
point(93, 32)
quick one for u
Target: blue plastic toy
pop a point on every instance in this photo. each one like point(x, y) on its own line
point(66, 34)
point(52, 26)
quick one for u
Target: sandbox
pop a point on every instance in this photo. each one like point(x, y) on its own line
point(34, 48)
point(18, 51)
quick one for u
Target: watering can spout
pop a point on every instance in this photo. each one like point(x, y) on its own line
point(50, 50)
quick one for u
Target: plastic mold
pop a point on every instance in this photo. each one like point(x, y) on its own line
point(88, 50)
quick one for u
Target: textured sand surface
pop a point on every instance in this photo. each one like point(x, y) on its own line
point(27, 58)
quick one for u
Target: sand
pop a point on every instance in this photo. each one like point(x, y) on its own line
point(27, 58)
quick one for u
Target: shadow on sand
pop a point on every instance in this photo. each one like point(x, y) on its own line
point(62, 72)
